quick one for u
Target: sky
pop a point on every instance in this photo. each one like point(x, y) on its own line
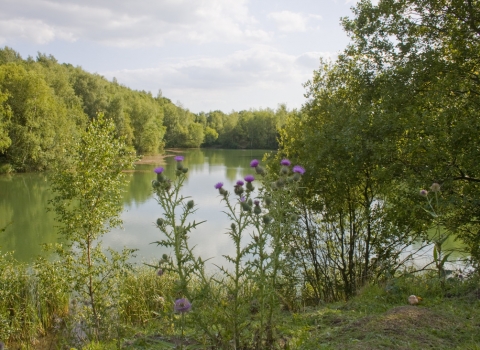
point(202, 54)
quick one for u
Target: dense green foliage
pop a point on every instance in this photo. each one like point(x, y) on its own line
point(389, 140)
point(87, 203)
point(45, 106)
point(396, 112)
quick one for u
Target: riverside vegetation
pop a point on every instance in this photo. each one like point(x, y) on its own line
point(261, 299)
point(389, 152)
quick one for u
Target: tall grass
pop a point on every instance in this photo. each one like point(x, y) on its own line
point(32, 299)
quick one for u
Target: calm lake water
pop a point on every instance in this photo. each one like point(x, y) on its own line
point(24, 202)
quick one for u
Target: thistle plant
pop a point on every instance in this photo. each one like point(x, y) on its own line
point(242, 297)
point(238, 210)
point(260, 261)
point(279, 220)
point(176, 229)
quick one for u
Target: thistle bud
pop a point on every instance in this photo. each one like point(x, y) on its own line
point(233, 227)
point(238, 190)
point(259, 170)
point(267, 219)
point(160, 222)
point(284, 170)
point(190, 204)
point(245, 206)
point(250, 186)
point(257, 210)
point(185, 170)
point(280, 182)
point(268, 200)
point(165, 257)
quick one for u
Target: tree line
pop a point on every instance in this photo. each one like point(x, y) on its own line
point(45, 105)
point(396, 113)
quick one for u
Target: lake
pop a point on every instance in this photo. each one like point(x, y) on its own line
point(24, 202)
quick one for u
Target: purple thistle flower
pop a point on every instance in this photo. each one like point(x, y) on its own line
point(254, 163)
point(249, 178)
point(182, 305)
point(239, 183)
point(179, 158)
point(158, 170)
point(159, 272)
point(242, 199)
point(423, 193)
point(256, 202)
point(219, 185)
point(299, 169)
point(285, 162)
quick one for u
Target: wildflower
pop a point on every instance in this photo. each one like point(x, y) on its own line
point(256, 202)
point(423, 193)
point(435, 187)
point(182, 305)
point(298, 169)
point(254, 163)
point(285, 164)
point(159, 172)
point(240, 183)
point(179, 160)
point(249, 178)
point(221, 190)
point(159, 272)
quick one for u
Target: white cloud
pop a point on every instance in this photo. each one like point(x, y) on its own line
point(261, 76)
point(128, 23)
point(288, 21)
point(36, 31)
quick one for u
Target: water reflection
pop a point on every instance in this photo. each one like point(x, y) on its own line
point(206, 168)
point(24, 201)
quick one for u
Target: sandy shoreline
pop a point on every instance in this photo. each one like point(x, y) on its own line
point(157, 159)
